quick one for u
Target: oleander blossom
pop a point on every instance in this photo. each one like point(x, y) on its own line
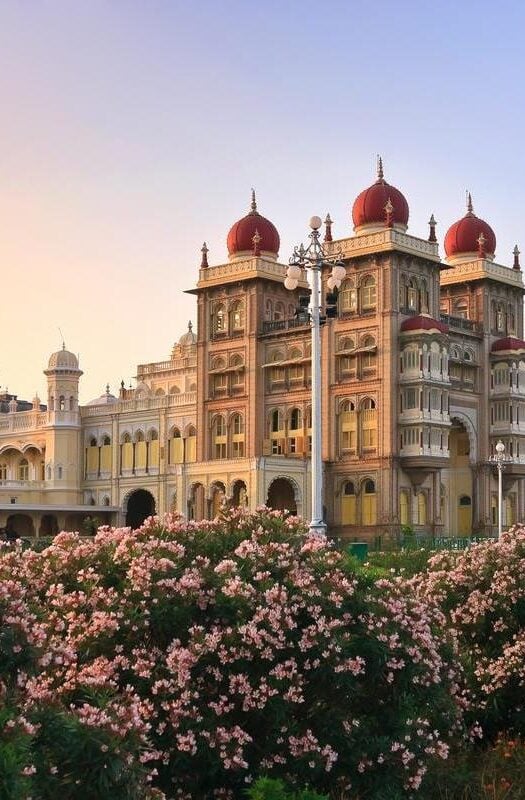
point(190, 658)
point(481, 591)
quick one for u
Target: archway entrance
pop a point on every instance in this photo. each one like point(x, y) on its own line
point(196, 502)
point(48, 525)
point(239, 495)
point(141, 505)
point(218, 495)
point(281, 496)
point(460, 482)
point(19, 525)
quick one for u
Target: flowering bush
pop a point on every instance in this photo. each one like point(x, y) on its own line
point(482, 592)
point(183, 660)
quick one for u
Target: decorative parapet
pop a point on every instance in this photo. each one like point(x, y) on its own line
point(386, 240)
point(233, 271)
point(481, 269)
point(23, 421)
point(140, 404)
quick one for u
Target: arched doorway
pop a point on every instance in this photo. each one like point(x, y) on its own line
point(19, 525)
point(218, 496)
point(48, 525)
point(239, 494)
point(281, 496)
point(196, 502)
point(140, 506)
point(460, 490)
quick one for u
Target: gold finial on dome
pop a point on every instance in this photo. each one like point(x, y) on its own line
point(380, 173)
point(253, 205)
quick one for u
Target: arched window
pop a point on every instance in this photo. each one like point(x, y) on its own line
point(176, 447)
point(268, 310)
point(276, 433)
point(368, 424)
point(219, 437)
point(23, 470)
point(276, 420)
point(347, 297)
point(347, 427)
point(296, 419)
point(279, 311)
point(159, 392)
point(237, 427)
point(59, 473)
point(219, 319)
point(237, 316)
point(423, 296)
point(174, 390)
point(92, 442)
point(153, 435)
point(368, 293)
point(126, 438)
point(500, 318)
point(62, 403)
point(369, 503)
point(139, 436)
point(348, 504)
point(412, 295)
point(106, 440)
point(3, 471)
point(368, 356)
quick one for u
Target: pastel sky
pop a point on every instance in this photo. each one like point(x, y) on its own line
point(132, 131)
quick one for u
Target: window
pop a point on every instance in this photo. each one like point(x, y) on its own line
point(276, 421)
point(412, 295)
point(461, 309)
point(277, 433)
point(368, 422)
point(3, 472)
point(368, 293)
point(106, 440)
point(23, 470)
point(411, 358)
point(500, 318)
point(268, 310)
point(279, 311)
point(238, 424)
point(296, 421)
point(348, 297)
point(348, 427)
point(348, 504)
point(59, 471)
point(62, 403)
point(237, 436)
point(411, 398)
point(219, 438)
point(219, 319)
point(220, 384)
point(237, 316)
point(421, 508)
point(369, 503)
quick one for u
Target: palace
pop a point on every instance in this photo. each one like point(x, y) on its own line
point(423, 371)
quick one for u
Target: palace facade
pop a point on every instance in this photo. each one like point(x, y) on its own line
point(423, 371)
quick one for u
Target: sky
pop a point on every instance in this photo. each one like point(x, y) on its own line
point(130, 132)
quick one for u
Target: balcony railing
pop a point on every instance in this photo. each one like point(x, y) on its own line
point(284, 324)
point(461, 323)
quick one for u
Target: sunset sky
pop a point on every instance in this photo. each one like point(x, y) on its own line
point(133, 131)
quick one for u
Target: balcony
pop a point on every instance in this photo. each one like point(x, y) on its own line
point(273, 326)
point(462, 324)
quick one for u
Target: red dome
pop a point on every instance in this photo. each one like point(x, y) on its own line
point(508, 343)
point(463, 235)
point(423, 323)
point(241, 235)
point(369, 207)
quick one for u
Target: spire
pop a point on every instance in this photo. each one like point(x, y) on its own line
point(432, 224)
point(380, 174)
point(328, 232)
point(253, 205)
point(516, 254)
point(107, 388)
point(470, 209)
point(204, 260)
point(190, 326)
point(481, 245)
point(256, 239)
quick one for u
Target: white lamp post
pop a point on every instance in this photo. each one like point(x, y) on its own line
point(499, 459)
point(313, 257)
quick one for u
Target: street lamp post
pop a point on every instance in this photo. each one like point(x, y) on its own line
point(499, 459)
point(313, 258)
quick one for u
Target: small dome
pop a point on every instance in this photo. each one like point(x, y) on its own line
point(369, 208)
point(508, 343)
point(105, 399)
point(462, 237)
point(63, 359)
point(253, 234)
point(422, 322)
point(189, 337)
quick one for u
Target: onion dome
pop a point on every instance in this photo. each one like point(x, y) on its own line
point(253, 234)
point(423, 322)
point(380, 205)
point(470, 237)
point(62, 360)
point(508, 343)
point(188, 338)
